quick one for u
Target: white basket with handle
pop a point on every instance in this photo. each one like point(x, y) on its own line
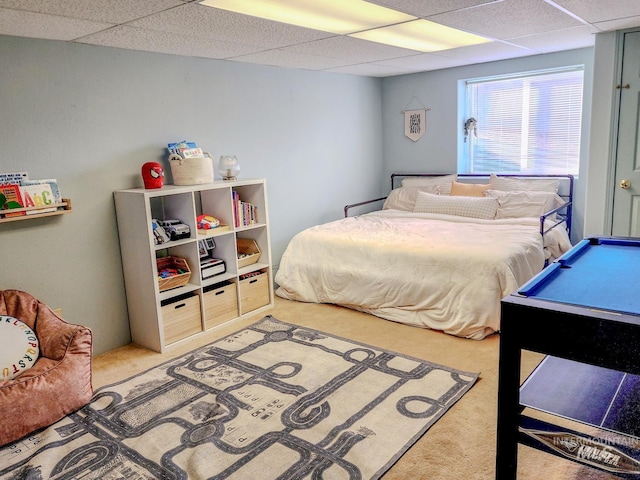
point(191, 171)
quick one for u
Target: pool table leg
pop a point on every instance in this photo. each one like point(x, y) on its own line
point(508, 404)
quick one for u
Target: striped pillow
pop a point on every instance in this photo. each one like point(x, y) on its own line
point(474, 207)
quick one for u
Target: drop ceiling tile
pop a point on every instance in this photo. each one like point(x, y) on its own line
point(353, 49)
point(166, 42)
point(287, 58)
point(184, 27)
point(620, 24)
point(38, 25)
point(228, 26)
point(420, 8)
point(111, 11)
point(508, 19)
point(370, 70)
point(422, 62)
point(598, 11)
point(567, 39)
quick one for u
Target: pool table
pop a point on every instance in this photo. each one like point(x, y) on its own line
point(584, 311)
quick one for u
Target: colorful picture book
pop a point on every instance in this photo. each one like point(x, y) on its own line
point(10, 197)
point(13, 178)
point(35, 196)
point(38, 195)
point(52, 182)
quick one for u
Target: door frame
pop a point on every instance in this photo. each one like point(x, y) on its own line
point(615, 120)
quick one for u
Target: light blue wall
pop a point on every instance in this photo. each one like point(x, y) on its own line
point(437, 151)
point(91, 116)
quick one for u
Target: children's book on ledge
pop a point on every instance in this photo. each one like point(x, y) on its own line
point(32, 197)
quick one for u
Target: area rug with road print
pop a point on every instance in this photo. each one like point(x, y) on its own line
point(271, 401)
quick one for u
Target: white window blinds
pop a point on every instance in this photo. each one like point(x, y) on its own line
point(525, 124)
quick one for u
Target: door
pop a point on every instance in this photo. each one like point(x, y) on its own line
point(626, 196)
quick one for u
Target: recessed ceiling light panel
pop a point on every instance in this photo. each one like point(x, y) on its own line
point(335, 16)
point(421, 35)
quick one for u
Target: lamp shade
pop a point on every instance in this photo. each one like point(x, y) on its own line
point(228, 167)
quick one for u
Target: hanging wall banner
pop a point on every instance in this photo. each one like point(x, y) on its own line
point(415, 123)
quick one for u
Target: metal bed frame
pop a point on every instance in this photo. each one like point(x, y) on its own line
point(564, 212)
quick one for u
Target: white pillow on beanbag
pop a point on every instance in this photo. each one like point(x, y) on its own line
point(19, 348)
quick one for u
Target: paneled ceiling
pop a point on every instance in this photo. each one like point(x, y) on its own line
point(517, 28)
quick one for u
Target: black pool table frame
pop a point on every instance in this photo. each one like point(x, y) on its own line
point(602, 338)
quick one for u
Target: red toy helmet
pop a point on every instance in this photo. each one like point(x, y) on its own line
point(153, 175)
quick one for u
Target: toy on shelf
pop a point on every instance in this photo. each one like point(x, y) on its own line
point(210, 225)
point(173, 272)
point(159, 235)
point(211, 267)
point(207, 222)
point(152, 175)
point(176, 229)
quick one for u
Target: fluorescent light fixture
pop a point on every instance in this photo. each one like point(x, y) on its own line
point(421, 35)
point(335, 16)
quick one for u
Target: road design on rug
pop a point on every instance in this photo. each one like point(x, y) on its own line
point(272, 401)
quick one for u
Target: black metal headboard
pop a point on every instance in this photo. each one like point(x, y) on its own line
point(565, 192)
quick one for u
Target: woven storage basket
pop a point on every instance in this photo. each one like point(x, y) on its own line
point(176, 280)
point(191, 171)
point(249, 250)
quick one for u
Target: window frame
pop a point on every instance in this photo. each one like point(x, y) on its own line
point(465, 139)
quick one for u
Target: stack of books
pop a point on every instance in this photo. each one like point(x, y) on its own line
point(244, 213)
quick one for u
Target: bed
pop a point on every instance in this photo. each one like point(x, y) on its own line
point(440, 253)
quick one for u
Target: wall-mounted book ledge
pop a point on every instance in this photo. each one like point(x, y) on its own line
point(28, 213)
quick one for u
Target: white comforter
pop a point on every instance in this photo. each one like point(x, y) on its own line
point(438, 271)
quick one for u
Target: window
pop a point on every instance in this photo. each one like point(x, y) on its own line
point(527, 123)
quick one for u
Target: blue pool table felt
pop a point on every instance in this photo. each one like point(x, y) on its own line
point(593, 276)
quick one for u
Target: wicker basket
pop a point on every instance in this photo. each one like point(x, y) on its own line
point(191, 171)
point(174, 281)
point(248, 251)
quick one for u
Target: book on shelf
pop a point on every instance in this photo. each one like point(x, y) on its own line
point(10, 197)
point(192, 153)
point(179, 148)
point(244, 213)
point(39, 195)
point(52, 182)
point(13, 178)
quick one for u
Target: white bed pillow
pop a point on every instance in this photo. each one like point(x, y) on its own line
point(440, 184)
point(403, 198)
point(526, 184)
point(518, 204)
point(474, 207)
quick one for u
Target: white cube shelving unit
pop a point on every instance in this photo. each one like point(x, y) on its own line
point(161, 318)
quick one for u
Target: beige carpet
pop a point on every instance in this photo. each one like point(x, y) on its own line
point(461, 445)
